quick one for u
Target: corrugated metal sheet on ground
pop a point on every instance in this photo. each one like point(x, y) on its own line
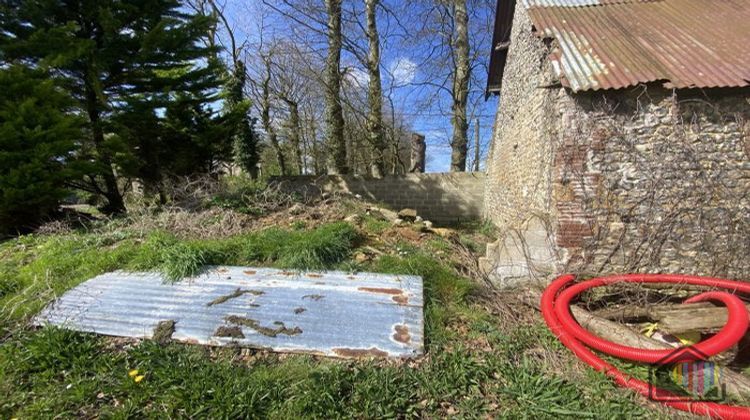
point(328, 313)
point(685, 43)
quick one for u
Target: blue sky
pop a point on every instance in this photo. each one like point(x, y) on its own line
point(407, 61)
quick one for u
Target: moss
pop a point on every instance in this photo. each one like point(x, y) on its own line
point(163, 331)
point(268, 332)
point(229, 332)
point(237, 293)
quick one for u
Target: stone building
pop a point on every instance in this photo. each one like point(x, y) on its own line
point(622, 138)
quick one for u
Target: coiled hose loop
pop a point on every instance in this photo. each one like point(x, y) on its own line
point(555, 305)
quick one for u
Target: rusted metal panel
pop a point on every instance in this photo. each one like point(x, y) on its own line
point(328, 313)
point(683, 43)
point(577, 3)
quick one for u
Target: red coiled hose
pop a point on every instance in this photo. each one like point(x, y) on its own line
point(556, 311)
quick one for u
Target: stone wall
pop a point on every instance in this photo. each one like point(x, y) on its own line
point(650, 180)
point(638, 180)
point(443, 198)
point(519, 171)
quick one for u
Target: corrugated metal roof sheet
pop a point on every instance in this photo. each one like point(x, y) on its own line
point(576, 3)
point(685, 43)
point(332, 313)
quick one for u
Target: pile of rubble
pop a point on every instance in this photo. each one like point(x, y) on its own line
point(403, 218)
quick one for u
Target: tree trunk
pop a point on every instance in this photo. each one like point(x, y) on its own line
point(477, 151)
point(334, 113)
point(317, 164)
point(375, 93)
point(461, 75)
point(295, 133)
point(111, 192)
point(245, 142)
point(265, 117)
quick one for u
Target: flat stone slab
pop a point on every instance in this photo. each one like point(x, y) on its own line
point(325, 313)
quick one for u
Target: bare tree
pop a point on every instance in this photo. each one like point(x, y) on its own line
point(245, 143)
point(375, 91)
point(449, 40)
point(294, 132)
point(334, 112)
point(310, 133)
point(265, 109)
point(366, 143)
point(460, 91)
point(292, 83)
point(360, 127)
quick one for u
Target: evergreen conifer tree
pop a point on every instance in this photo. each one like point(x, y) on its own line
point(38, 141)
point(123, 61)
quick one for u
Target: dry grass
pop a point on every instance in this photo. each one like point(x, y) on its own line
point(217, 222)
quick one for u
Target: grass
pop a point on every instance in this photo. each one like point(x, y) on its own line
point(485, 228)
point(476, 365)
point(35, 269)
point(374, 225)
point(320, 248)
point(55, 372)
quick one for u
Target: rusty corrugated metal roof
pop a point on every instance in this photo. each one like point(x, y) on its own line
point(576, 3)
point(684, 43)
point(329, 313)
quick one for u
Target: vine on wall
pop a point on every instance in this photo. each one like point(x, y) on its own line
point(655, 185)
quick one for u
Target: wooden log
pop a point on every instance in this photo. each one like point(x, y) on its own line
point(604, 328)
point(624, 313)
point(737, 384)
point(675, 319)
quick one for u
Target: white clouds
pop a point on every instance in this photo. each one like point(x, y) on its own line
point(403, 71)
point(357, 77)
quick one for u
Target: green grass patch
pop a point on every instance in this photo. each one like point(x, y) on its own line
point(57, 373)
point(320, 248)
point(374, 225)
point(36, 269)
point(323, 247)
point(60, 373)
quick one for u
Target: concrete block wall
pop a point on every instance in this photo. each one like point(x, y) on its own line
point(443, 198)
